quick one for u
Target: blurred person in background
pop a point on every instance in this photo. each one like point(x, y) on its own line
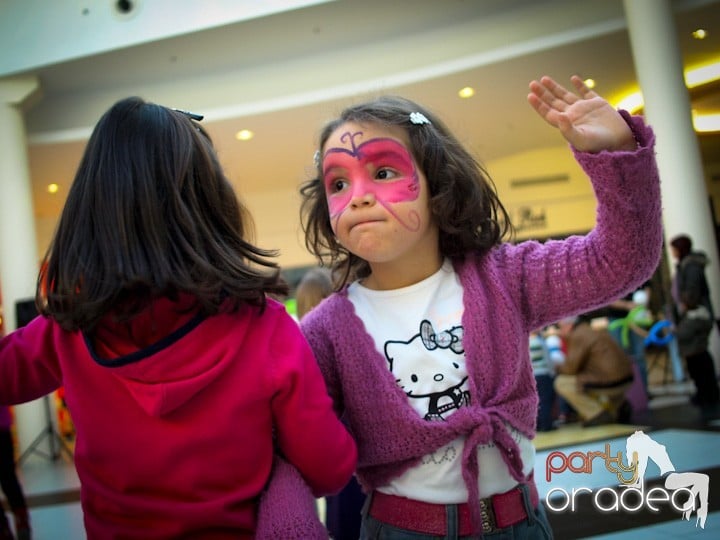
point(10, 485)
point(596, 373)
point(545, 355)
point(689, 283)
point(624, 316)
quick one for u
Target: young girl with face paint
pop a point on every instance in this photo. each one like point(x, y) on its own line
point(424, 344)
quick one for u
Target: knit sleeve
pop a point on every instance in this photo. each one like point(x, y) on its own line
point(287, 507)
point(578, 274)
point(314, 327)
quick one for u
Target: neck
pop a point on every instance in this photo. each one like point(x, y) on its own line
point(396, 275)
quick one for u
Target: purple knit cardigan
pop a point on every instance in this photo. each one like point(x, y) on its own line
point(508, 291)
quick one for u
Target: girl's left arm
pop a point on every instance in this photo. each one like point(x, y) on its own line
point(581, 273)
point(29, 366)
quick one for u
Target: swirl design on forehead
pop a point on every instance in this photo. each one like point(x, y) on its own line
point(351, 136)
point(368, 156)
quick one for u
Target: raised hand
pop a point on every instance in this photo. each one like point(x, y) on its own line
point(587, 121)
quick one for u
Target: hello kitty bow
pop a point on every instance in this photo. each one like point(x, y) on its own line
point(447, 339)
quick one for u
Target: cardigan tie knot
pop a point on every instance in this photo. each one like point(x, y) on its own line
point(487, 426)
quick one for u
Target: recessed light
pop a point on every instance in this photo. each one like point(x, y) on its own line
point(694, 77)
point(632, 102)
point(244, 135)
point(590, 83)
point(53, 188)
point(702, 74)
point(466, 92)
point(700, 33)
point(707, 123)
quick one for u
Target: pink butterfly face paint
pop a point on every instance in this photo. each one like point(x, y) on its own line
point(380, 167)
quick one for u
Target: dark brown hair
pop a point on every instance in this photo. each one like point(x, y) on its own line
point(150, 213)
point(683, 244)
point(463, 198)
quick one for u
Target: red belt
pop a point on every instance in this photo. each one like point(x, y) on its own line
point(497, 512)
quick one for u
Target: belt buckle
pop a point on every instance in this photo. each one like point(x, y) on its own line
point(487, 513)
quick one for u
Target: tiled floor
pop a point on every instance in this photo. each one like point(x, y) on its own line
point(52, 486)
point(52, 489)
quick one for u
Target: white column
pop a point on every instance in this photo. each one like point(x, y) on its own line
point(658, 63)
point(18, 243)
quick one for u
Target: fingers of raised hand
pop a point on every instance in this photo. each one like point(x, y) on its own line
point(543, 109)
point(553, 94)
point(538, 104)
point(582, 88)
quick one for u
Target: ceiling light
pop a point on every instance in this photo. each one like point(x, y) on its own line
point(590, 83)
point(697, 76)
point(706, 123)
point(244, 135)
point(702, 74)
point(700, 33)
point(631, 103)
point(53, 188)
point(466, 92)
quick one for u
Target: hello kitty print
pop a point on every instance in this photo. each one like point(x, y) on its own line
point(430, 368)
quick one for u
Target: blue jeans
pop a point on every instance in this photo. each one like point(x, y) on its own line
point(536, 527)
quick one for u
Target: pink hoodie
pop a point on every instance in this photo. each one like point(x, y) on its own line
point(176, 417)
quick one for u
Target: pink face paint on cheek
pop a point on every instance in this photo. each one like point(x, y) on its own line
point(338, 201)
point(359, 165)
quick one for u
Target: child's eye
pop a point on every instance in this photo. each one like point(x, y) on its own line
point(337, 185)
point(385, 174)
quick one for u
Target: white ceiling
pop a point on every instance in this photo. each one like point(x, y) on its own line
point(284, 74)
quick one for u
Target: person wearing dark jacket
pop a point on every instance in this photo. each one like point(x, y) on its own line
point(694, 321)
point(693, 334)
point(689, 282)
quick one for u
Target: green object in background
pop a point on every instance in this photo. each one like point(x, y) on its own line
point(637, 316)
point(291, 306)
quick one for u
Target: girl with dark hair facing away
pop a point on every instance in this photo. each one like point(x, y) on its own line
point(180, 373)
point(424, 348)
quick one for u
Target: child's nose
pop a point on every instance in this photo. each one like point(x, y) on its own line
point(364, 198)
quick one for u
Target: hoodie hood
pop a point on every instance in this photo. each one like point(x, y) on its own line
point(696, 257)
point(169, 352)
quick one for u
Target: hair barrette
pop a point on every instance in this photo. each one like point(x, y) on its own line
point(191, 115)
point(418, 118)
point(316, 158)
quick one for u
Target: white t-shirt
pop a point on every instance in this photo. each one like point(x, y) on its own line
point(418, 329)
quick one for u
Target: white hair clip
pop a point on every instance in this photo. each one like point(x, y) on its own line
point(418, 118)
point(316, 158)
